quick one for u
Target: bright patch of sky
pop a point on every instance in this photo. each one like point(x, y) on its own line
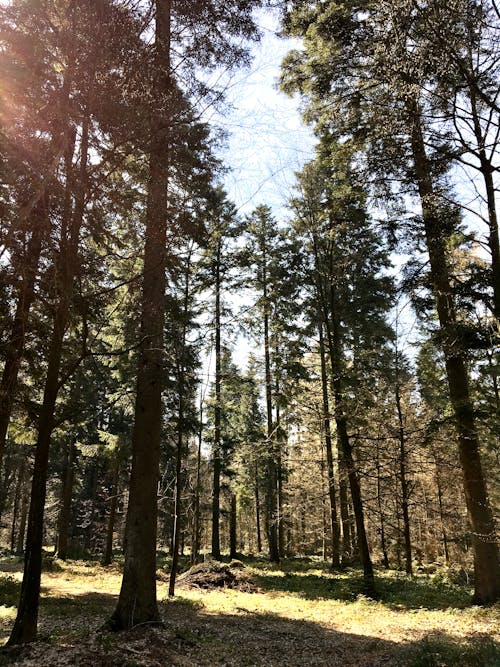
point(267, 141)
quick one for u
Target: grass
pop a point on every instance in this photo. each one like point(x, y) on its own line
point(304, 614)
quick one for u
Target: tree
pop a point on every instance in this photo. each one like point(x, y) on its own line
point(375, 56)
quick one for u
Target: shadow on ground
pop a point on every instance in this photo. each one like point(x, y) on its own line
point(398, 592)
point(71, 634)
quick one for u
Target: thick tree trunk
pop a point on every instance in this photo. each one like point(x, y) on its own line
point(137, 602)
point(66, 496)
point(486, 557)
point(25, 625)
point(334, 522)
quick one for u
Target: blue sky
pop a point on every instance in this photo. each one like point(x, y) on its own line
point(267, 140)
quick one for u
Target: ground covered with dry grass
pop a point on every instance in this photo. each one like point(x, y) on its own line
point(252, 613)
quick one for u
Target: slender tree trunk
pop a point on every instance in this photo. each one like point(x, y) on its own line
point(66, 496)
point(217, 412)
point(404, 483)
point(257, 509)
point(233, 527)
point(272, 481)
point(178, 491)
point(181, 379)
point(346, 447)
point(137, 602)
point(25, 297)
point(110, 528)
point(487, 170)
point(334, 522)
point(17, 502)
point(196, 512)
point(381, 512)
point(441, 512)
point(486, 557)
point(21, 533)
point(25, 625)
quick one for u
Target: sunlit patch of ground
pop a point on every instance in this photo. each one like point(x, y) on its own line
point(303, 615)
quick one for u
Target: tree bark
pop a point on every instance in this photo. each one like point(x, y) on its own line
point(486, 557)
point(257, 509)
point(196, 512)
point(25, 297)
point(25, 625)
point(66, 496)
point(137, 603)
point(233, 527)
point(110, 527)
point(404, 483)
point(217, 407)
point(334, 522)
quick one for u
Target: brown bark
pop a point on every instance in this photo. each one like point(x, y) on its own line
point(25, 297)
point(137, 602)
point(66, 496)
point(195, 550)
point(334, 522)
point(217, 408)
point(25, 625)
point(257, 509)
point(486, 558)
point(110, 527)
point(233, 527)
point(404, 483)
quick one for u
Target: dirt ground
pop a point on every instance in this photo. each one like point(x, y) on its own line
point(293, 619)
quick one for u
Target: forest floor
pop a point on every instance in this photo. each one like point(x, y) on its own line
point(296, 614)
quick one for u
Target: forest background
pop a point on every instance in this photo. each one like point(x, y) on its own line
point(127, 261)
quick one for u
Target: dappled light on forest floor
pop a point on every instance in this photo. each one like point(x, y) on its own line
point(299, 616)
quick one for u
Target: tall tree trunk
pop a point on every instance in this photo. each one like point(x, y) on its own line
point(25, 297)
point(233, 517)
point(345, 444)
point(25, 625)
point(178, 492)
point(110, 527)
point(441, 511)
point(195, 551)
point(137, 602)
point(217, 411)
point(381, 513)
point(404, 482)
point(334, 522)
point(487, 170)
point(271, 481)
point(330, 316)
point(257, 509)
point(181, 379)
point(486, 557)
point(66, 496)
point(21, 533)
point(17, 502)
